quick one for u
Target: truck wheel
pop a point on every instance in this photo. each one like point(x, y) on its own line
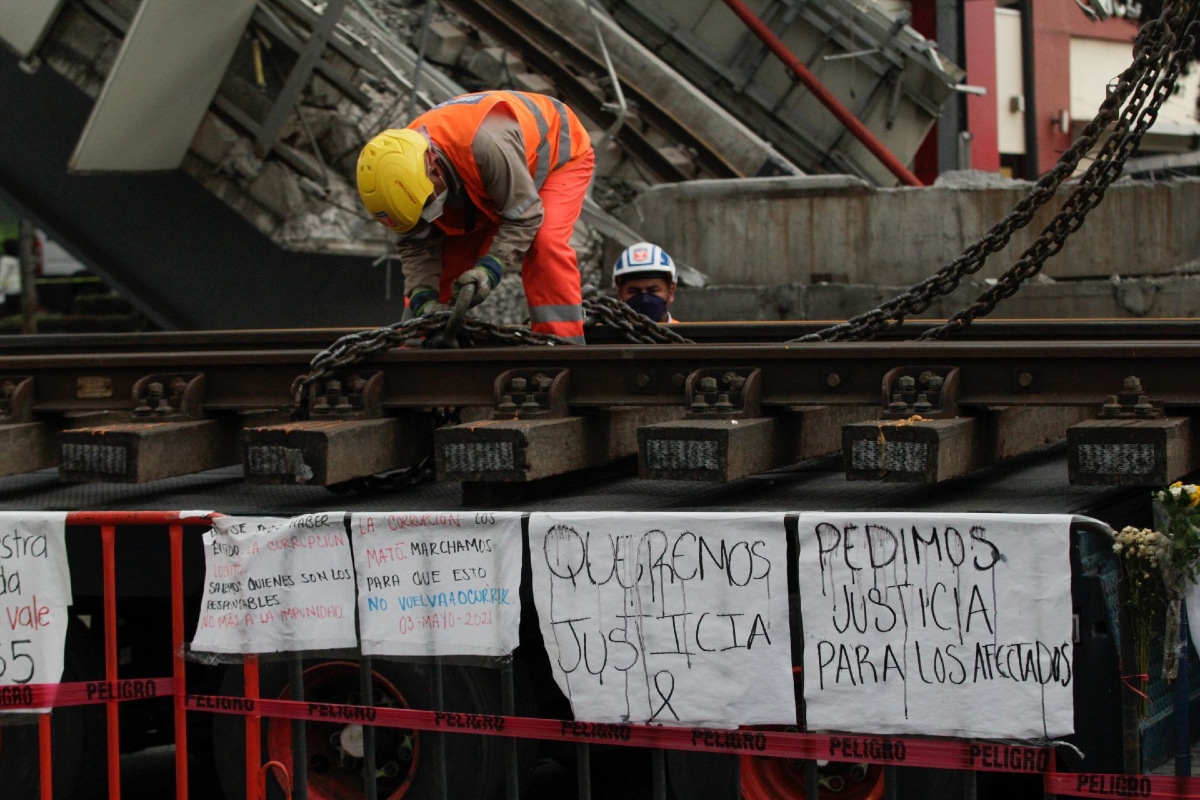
point(404, 759)
point(768, 778)
point(712, 777)
point(78, 738)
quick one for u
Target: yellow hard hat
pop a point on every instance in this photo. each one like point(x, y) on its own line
point(392, 181)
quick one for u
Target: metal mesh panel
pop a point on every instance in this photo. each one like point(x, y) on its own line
point(674, 454)
point(105, 459)
point(1116, 459)
point(477, 457)
point(891, 456)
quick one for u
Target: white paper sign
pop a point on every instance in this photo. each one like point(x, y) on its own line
point(939, 624)
point(438, 584)
point(277, 585)
point(676, 619)
point(35, 591)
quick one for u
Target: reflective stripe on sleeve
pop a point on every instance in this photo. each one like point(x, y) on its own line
point(568, 313)
point(543, 147)
point(564, 133)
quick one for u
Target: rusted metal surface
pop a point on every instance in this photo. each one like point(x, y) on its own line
point(931, 392)
point(996, 373)
point(1010, 373)
point(732, 332)
point(998, 399)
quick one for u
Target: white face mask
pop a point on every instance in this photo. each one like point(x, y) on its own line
point(434, 209)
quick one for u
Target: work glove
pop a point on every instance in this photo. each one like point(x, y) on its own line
point(485, 275)
point(425, 301)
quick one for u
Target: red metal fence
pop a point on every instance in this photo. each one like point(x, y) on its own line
point(889, 751)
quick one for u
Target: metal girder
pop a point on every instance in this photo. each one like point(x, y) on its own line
point(299, 77)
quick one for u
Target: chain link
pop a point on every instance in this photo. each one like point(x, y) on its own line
point(1139, 91)
point(357, 347)
point(637, 328)
point(423, 471)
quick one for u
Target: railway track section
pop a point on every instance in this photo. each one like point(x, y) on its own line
point(137, 409)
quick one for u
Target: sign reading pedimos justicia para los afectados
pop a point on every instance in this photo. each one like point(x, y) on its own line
point(937, 624)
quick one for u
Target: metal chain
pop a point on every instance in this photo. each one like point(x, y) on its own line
point(1152, 75)
point(1107, 167)
point(638, 328)
point(354, 348)
point(423, 471)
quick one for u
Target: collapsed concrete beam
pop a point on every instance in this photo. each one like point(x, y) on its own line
point(764, 217)
point(742, 149)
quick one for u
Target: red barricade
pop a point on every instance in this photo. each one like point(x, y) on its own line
point(886, 750)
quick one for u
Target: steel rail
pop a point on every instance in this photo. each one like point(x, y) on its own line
point(757, 331)
point(992, 374)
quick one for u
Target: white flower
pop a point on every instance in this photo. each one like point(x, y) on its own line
point(1176, 491)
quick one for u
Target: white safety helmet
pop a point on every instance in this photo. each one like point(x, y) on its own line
point(643, 257)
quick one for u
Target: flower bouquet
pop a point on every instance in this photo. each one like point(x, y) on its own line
point(1178, 506)
point(1140, 554)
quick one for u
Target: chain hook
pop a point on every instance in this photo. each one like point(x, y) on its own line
point(447, 337)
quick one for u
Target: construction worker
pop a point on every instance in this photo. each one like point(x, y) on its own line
point(644, 277)
point(479, 186)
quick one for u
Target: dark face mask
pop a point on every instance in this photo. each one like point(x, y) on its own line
point(652, 305)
